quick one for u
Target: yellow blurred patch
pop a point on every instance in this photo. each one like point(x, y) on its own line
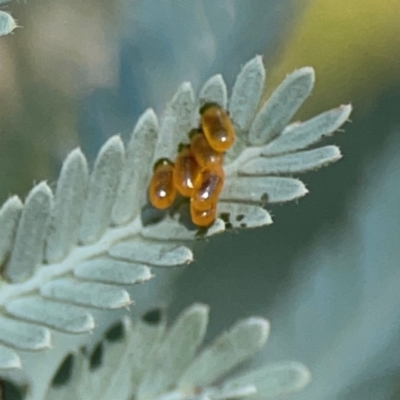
point(354, 46)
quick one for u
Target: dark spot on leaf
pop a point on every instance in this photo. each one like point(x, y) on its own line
point(115, 333)
point(64, 372)
point(96, 358)
point(11, 391)
point(225, 217)
point(153, 317)
point(239, 217)
point(264, 199)
point(151, 215)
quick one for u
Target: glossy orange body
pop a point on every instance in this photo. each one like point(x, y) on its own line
point(162, 191)
point(203, 152)
point(185, 172)
point(207, 187)
point(202, 218)
point(217, 127)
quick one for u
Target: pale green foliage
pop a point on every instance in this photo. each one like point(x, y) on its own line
point(66, 254)
point(152, 362)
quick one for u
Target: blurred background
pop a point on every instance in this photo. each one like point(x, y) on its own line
point(327, 272)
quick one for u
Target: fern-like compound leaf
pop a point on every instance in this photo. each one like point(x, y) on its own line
point(152, 363)
point(66, 255)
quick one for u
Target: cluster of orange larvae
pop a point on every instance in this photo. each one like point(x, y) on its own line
point(197, 172)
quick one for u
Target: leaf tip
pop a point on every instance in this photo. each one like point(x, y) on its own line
point(257, 61)
point(200, 308)
point(261, 325)
point(345, 110)
point(7, 23)
point(41, 188)
point(14, 202)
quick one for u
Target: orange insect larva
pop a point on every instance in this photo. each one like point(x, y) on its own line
point(207, 187)
point(203, 152)
point(217, 127)
point(185, 172)
point(202, 218)
point(162, 191)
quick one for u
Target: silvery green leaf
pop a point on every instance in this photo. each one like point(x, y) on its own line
point(246, 93)
point(273, 380)
point(214, 91)
point(7, 23)
point(69, 201)
point(176, 123)
point(226, 352)
point(243, 105)
point(239, 215)
point(173, 229)
point(29, 242)
point(301, 161)
point(10, 213)
point(143, 340)
point(263, 189)
point(169, 228)
point(123, 363)
point(89, 294)
point(175, 352)
point(113, 379)
point(136, 172)
point(60, 316)
point(111, 232)
point(153, 253)
point(9, 359)
point(217, 227)
point(102, 190)
point(112, 271)
point(22, 335)
point(281, 106)
point(298, 136)
point(152, 363)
